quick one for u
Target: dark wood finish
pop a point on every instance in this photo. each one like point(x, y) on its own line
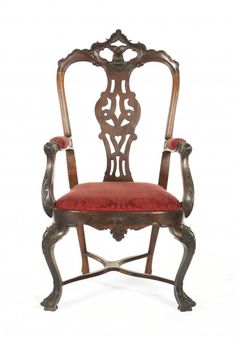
point(118, 71)
point(48, 198)
point(185, 149)
point(103, 220)
point(184, 234)
point(118, 112)
point(50, 237)
point(83, 249)
point(152, 244)
point(117, 266)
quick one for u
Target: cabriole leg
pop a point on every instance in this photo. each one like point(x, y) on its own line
point(83, 249)
point(50, 238)
point(187, 238)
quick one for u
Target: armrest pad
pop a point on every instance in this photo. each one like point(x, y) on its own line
point(62, 141)
point(172, 144)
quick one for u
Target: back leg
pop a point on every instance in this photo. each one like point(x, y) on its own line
point(152, 244)
point(187, 238)
point(50, 238)
point(83, 249)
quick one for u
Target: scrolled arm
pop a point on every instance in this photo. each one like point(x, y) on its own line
point(51, 148)
point(184, 149)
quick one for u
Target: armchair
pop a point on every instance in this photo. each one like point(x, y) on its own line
point(118, 203)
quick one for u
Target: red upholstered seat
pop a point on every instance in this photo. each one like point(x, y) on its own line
point(118, 196)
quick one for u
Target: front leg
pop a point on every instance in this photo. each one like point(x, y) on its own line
point(187, 238)
point(50, 237)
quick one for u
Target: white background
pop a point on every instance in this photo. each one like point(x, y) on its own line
point(201, 36)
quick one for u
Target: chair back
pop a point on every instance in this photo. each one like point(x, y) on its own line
point(117, 110)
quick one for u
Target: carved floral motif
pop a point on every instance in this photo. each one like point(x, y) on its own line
point(118, 232)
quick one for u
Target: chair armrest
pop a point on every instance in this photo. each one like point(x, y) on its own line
point(51, 148)
point(172, 144)
point(184, 149)
point(63, 142)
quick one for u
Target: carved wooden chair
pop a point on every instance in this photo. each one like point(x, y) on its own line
point(118, 203)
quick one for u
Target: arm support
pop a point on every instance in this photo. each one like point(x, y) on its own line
point(184, 149)
point(51, 148)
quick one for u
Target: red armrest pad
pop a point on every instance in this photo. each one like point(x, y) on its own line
point(172, 144)
point(62, 141)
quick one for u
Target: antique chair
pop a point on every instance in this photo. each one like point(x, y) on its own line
point(118, 203)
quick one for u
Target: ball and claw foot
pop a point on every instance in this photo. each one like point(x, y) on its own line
point(50, 302)
point(185, 302)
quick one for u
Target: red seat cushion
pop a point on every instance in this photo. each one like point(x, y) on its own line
point(118, 196)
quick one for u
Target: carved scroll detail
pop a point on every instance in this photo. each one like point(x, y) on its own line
point(48, 200)
point(51, 236)
point(187, 238)
point(185, 149)
point(118, 45)
point(118, 232)
point(117, 110)
point(118, 63)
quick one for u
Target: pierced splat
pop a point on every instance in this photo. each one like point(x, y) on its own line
point(118, 112)
point(117, 109)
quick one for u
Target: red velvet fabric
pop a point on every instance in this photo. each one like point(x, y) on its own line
point(172, 144)
point(63, 141)
point(118, 196)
